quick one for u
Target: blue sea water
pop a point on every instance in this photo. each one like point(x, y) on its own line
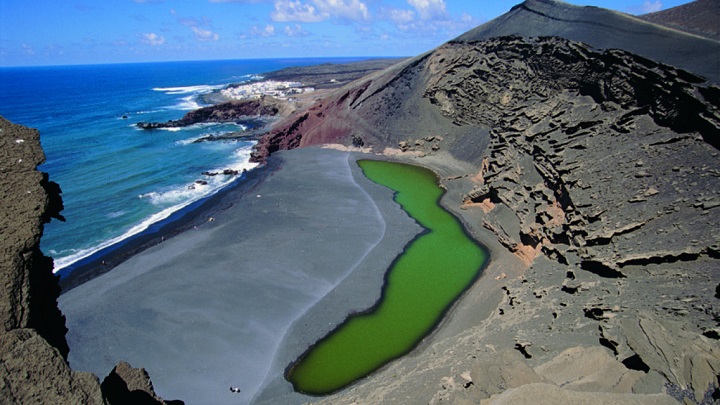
point(116, 179)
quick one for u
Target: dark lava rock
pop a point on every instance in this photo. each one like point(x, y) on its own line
point(33, 349)
point(128, 385)
point(224, 112)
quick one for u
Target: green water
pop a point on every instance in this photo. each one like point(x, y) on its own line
point(420, 286)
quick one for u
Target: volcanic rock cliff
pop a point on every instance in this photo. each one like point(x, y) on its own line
point(224, 112)
point(596, 168)
point(33, 349)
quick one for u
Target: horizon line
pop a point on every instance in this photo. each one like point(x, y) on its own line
point(203, 60)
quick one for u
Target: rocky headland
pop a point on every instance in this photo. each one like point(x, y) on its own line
point(228, 111)
point(262, 106)
point(33, 349)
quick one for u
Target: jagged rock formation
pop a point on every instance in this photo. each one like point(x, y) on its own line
point(33, 349)
point(128, 385)
point(699, 17)
point(576, 116)
point(29, 200)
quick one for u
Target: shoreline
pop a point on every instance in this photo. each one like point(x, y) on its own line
point(310, 221)
point(298, 339)
point(393, 271)
point(182, 220)
point(323, 77)
point(455, 316)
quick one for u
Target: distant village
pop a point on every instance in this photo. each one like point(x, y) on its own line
point(270, 87)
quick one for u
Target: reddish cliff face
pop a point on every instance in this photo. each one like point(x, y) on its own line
point(455, 93)
point(33, 349)
point(377, 111)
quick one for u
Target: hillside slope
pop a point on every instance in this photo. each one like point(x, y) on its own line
point(699, 17)
point(605, 29)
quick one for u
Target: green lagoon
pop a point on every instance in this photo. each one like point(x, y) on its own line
point(421, 285)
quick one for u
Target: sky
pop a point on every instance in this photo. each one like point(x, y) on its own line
point(70, 32)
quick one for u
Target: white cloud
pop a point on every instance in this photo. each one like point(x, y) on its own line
point(153, 39)
point(401, 17)
point(295, 31)
point(429, 9)
point(319, 10)
point(195, 25)
point(267, 31)
point(288, 10)
point(651, 6)
point(27, 49)
point(204, 35)
point(346, 9)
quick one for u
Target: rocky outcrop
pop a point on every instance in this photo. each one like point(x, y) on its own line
point(128, 385)
point(585, 116)
point(603, 177)
point(29, 200)
point(229, 111)
point(33, 349)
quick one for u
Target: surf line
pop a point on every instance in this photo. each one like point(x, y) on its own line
point(420, 286)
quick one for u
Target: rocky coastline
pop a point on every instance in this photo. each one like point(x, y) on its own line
point(33, 349)
point(262, 105)
point(229, 111)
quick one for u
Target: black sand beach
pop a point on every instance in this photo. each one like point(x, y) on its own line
point(233, 301)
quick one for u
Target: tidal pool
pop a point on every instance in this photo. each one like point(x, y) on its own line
point(420, 286)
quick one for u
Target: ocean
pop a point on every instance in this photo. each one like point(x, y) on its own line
point(116, 179)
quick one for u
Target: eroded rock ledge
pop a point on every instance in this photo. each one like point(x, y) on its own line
point(608, 163)
point(607, 159)
point(33, 349)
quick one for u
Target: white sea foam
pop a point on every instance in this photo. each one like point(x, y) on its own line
point(186, 104)
point(199, 89)
point(179, 194)
point(187, 141)
point(194, 191)
point(192, 140)
point(179, 197)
